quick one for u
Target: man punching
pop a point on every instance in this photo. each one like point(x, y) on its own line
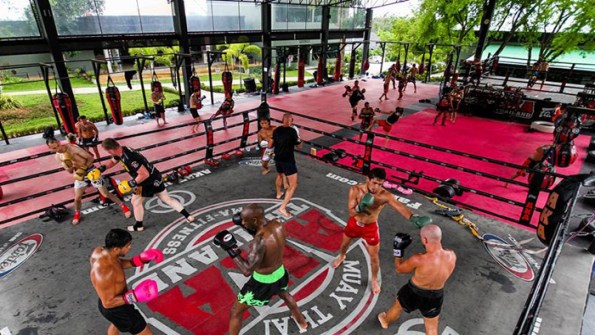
point(108, 278)
point(366, 201)
point(146, 181)
point(355, 95)
point(264, 265)
point(265, 136)
point(225, 109)
point(79, 162)
point(425, 290)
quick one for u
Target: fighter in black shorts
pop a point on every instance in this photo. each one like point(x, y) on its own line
point(366, 116)
point(146, 181)
point(355, 95)
point(264, 265)
point(425, 290)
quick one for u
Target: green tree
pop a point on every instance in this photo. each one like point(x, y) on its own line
point(445, 21)
point(163, 55)
point(238, 53)
point(511, 14)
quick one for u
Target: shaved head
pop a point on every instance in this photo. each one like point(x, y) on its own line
point(432, 232)
point(253, 211)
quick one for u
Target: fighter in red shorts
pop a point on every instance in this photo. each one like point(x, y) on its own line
point(387, 124)
point(366, 201)
point(226, 109)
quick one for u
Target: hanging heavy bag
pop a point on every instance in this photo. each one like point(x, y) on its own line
point(556, 208)
point(548, 179)
point(337, 75)
point(156, 84)
point(276, 78)
point(564, 154)
point(63, 105)
point(301, 71)
point(227, 79)
point(113, 98)
point(319, 71)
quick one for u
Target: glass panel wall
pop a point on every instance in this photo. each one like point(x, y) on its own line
point(314, 20)
point(199, 15)
point(76, 17)
point(226, 15)
point(17, 20)
point(296, 17)
point(279, 17)
point(250, 18)
point(156, 16)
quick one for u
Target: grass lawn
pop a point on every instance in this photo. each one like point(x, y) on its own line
point(37, 112)
point(40, 85)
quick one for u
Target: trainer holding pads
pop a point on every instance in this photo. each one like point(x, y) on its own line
point(264, 265)
point(146, 181)
point(425, 290)
point(366, 201)
point(108, 279)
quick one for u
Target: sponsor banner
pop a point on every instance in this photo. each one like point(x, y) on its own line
point(510, 259)
point(529, 110)
point(18, 253)
point(198, 282)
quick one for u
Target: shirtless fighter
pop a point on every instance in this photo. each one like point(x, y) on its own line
point(366, 201)
point(79, 162)
point(109, 281)
point(387, 124)
point(366, 116)
point(265, 136)
point(88, 134)
point(425, 291)
point(264, 265)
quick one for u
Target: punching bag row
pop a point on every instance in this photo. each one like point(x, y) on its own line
point(227, 79)
point(113, 98)
point(63, 105)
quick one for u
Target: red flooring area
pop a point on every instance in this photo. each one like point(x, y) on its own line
point(494, 139)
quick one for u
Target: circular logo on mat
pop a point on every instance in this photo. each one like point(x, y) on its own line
point(15, 255)
point(509, 258)
point(155, 205)
point(198, 282)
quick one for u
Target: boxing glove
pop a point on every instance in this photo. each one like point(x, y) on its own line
point(126, 186)
point(264, 144)
point(227, 242)
point(400, 242)
point(237, 219)
point(94, 175)
point(79, 174)
point(420, 221)
point(147, 256)
point(147, 290)
point(366, 201)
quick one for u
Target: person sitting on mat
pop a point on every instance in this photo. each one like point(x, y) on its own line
point(444, 108)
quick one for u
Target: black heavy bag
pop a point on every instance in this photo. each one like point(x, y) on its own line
point(556, 208)
point(113, 98)
point(276, 78)
point(63, 105)
point(128, 75)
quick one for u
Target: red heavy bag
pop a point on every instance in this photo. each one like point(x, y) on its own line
point(276, 78)
point(113, 98)
point(63, 105)
point(195, 84)
point(564, 154)
point(319, 71)
point(338, 67)
point(227, 79)
point(301, 71)
point(366, 65)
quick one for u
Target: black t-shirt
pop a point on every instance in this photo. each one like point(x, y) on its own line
point(132, 160)
point(284, 140)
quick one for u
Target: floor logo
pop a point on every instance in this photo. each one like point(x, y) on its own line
point(198, 282)
point(155, 205)
point(250, 161)
point(512, 260)
point(18, 253)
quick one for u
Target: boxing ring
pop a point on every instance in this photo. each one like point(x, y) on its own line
point(51, 293)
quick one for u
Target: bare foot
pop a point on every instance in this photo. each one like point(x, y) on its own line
point(381, 318)
point(338, 261)
point(302, 326)
point(375, 286)
point(190, 219)
point(280, 195)
point(265, 171)
point(284, 212)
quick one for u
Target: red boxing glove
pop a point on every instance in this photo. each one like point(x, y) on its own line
point(147, 256)
point(145, 291)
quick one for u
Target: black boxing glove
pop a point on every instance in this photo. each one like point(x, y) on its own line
point(237, 219)
point(227, 242)
point(400, 242)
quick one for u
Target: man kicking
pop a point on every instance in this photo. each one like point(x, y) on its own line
point(366, 201)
